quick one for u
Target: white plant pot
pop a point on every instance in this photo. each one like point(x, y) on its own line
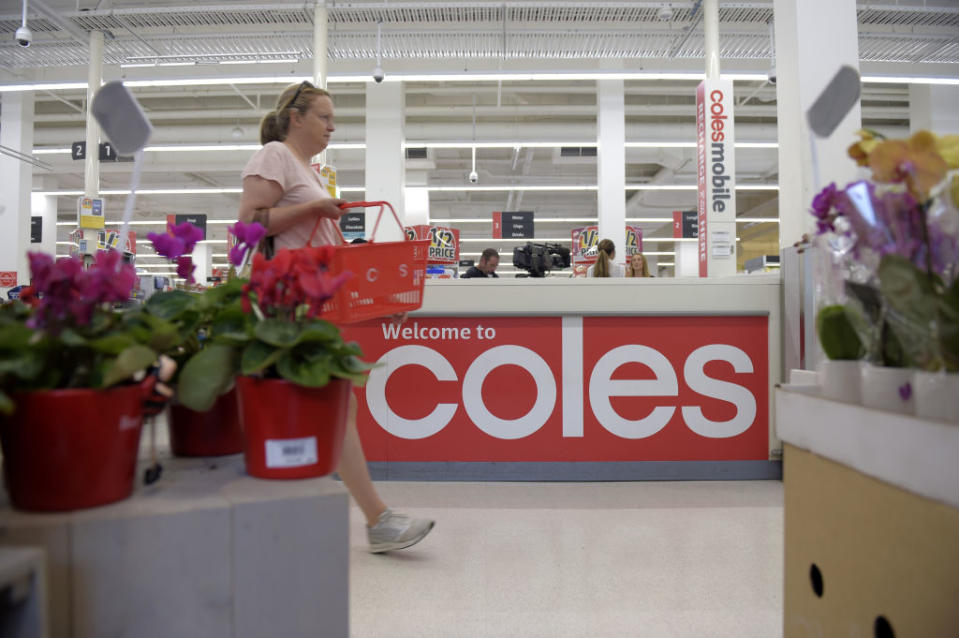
point(888, 389)
point(937, 395)
point(840, 380)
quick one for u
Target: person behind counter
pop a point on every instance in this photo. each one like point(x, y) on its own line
point(637, 266)
point(488, 262)
point(605, 266)
point(283, 192)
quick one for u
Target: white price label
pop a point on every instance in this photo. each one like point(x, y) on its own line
point(290, 452)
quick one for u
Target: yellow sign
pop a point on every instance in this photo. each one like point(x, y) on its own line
point(90, 212)
point(327, 176)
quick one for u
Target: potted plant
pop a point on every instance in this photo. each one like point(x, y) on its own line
point(70, 410)
point(839, 374)
point(203, 418)
point(896, 238)
point(292, 368)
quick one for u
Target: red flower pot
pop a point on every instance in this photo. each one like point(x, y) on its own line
point(70, 449)
point(212, 433)
point(290, 431)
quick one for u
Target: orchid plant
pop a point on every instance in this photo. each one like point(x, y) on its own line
point(896, 239)
point(266, 325)
point(65, 331)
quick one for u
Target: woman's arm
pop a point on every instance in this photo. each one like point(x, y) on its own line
point(259, 193)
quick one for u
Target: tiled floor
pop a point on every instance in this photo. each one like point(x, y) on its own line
point(586, 559)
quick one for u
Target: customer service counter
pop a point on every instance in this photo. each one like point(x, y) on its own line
point(576, 379)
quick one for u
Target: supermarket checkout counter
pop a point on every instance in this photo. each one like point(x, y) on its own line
point(575, 379)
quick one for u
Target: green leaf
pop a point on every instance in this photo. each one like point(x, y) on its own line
point(130, 361)
point(906, 288)
point(6, 404)
point(70, 337)
point(352, 368)
point(14, 335)
point(207, 375)
point(312, 373)
point(112, 344)
point(170, 304)
point(27, 364)
point(277, 332)
point(258, 356)
point(837, 335)
point(319, 330)
point(231, 325)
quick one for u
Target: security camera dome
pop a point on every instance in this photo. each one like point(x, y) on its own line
point(24, 36)
point(665, 12)
point(473, 177)
point(378, 74)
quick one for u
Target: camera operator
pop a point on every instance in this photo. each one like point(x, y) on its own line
point(488, 262)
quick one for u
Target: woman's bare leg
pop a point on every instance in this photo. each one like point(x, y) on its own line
point(354, 471)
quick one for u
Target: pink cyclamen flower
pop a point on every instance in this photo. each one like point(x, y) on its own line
point(188, 233)
point(247, 237)
point(167, 245)
point(185, 268)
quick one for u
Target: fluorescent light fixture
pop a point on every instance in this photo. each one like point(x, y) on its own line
point(661, 145)
point(757, 145)
point(281, 79)
point(757, 187)
point(514, 187)
point(661, 187)
point(907, 79)
point(51, 151)
point(664, 263)
point(187, 148)
point(535, 239)
point(480, 220)
point(648, 220)
point(43, 86)
point(411, 144)
point(758, 220)
point(150, 191)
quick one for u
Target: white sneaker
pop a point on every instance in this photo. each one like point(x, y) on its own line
point(397, 531)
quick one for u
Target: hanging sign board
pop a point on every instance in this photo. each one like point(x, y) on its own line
point(353, 226)
point(36, 229)
point(685, 224)
point(197, 220)
point(444, 242)
point(513, 225)
point(715, 141)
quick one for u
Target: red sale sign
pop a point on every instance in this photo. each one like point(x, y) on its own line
point(565, 389)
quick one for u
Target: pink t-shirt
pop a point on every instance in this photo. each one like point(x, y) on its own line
point(300, 183)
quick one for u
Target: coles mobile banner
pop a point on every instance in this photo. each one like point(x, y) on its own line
point(565, 389)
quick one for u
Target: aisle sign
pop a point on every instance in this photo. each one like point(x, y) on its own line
point(353, 226)
point(685, 224)
point(197, 220)
point(36, 229)
point(570, 388)
point(513, 225)
point(90, 212)
point(716, 168)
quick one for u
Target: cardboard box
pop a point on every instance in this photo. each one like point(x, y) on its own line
point(887, 560)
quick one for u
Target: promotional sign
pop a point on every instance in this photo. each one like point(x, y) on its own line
point(513, 225)
point(634, 241)
point(8, 278)
point(90, 212)
point(110, 239)
point(353, 226)
point(584, 239)
point(444, 242)
point(36, 229)
point(715, 141)
point(327, 175)
point(197, 220)
point(565, 389)
point(685, 224)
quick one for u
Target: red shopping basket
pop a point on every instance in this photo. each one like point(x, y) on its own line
point(387, 279)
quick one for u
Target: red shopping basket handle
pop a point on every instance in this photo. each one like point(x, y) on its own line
point(346, 205)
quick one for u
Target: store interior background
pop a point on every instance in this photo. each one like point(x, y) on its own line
point(538, 133)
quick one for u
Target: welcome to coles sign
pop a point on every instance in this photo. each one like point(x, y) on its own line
point(565, 389)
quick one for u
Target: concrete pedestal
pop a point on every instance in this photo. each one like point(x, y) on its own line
point(206, 551)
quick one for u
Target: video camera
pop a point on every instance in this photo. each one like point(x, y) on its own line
point(538, 259)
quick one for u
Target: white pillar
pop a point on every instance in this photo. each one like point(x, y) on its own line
point(809, 52)
point(320, 53)
point(45, 207)
point(91, 176)
point(611, 163)
point(687, 259)
point(933, 108)
point(385, 162)
point(16, 132)
point(203, 260)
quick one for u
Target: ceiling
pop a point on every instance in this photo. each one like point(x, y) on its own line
point(425, 38)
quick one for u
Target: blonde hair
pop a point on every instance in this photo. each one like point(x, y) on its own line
point(276, 124)
point(605, 248)
point(645, 271)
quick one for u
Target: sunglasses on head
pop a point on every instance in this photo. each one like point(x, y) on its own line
point(299, 90)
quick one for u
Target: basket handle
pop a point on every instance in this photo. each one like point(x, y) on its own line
point(346, 205)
